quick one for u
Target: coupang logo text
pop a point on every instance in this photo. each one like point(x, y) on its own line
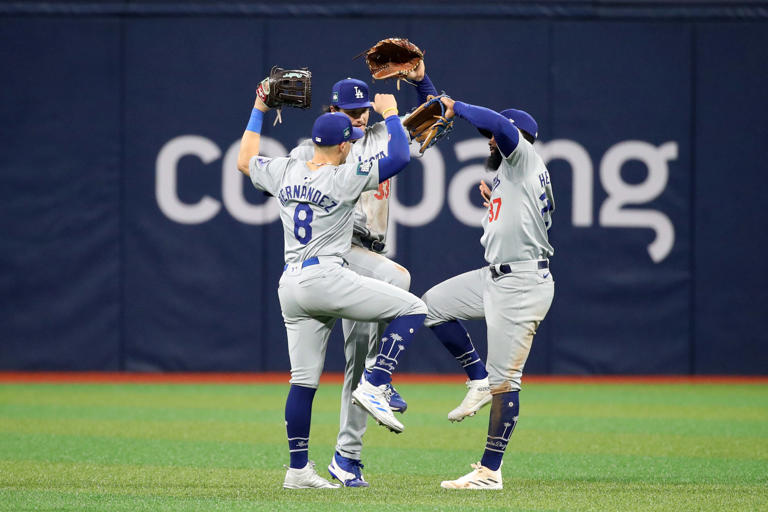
point(625, 204)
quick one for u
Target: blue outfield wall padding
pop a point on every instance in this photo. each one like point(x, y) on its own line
point(729, 304)
point(128, 239)
point(60, 249)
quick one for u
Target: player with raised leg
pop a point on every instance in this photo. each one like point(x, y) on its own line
point(513, 293)
point(317, 200)
point(361, 339)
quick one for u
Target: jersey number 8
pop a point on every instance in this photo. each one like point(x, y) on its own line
point(300, 223)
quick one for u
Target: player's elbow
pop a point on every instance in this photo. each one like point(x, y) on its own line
point(503, 128)
point(400, 163)
point(243, 164)
point(392, 164)
point(401, 157)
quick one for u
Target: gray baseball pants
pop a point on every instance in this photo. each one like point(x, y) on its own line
point(313, 297)
point(513, 306)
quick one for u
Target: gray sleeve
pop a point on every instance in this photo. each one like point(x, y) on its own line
point(266, 173)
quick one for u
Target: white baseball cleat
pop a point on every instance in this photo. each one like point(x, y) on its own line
point(306, 478)
point(374, 400)
point(480, 478)
point(478, 395)
point(348, 471)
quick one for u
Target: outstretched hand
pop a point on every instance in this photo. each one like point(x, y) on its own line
point(417, 75)
point(448, 102)
point(485, 191)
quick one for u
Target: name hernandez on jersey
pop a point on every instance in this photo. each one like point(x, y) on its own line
point(307, 194)
point(520, 209)
point(316, 207)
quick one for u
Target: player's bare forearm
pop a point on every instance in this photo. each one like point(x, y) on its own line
point(249, 147)
point(251, 141)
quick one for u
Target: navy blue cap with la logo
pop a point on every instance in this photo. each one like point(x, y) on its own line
point(334, 128)
point(350, 93)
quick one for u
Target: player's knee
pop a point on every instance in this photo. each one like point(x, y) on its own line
point(500, 382)
point(399, 276)
point(305, 378)
point(432, 318)
point(417, 307)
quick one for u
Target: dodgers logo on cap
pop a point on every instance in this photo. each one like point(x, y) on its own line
point(350, 94)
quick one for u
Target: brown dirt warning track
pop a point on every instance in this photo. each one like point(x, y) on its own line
point(283, 377)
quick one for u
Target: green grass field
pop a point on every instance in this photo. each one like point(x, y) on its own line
point(605, 446)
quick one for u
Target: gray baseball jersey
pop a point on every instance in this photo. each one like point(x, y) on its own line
point(514, 303)
point(520, 211)
point(372, 211)
point(315, 206)
point(361, 338)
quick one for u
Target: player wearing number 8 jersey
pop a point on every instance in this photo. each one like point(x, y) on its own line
point(361, 339)
point(513, 293)
point(316, 200)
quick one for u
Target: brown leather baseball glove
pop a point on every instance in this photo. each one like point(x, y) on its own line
point(394, 57)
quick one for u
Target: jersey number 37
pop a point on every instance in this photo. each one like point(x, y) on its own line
point(494, 207)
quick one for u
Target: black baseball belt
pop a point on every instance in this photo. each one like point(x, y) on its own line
point(500, 269)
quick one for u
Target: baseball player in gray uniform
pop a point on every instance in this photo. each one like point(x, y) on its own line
point(513, 293)
point(317, 200)
point(351, 97)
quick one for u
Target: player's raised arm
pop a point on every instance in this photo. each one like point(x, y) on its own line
point(504, 132)
point(249, 144)
point(424, 86)
point(398, 154)
point(290, 87)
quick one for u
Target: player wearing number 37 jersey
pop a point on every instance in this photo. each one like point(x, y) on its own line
point(513, 293)
point(317, 200)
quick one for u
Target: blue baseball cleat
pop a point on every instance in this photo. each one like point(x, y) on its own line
point(396, 402)
point(347, 471)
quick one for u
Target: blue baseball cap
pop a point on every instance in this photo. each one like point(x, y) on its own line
point(520, 118)
point(523, 120)
point(334, 128)
point(350, 94)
